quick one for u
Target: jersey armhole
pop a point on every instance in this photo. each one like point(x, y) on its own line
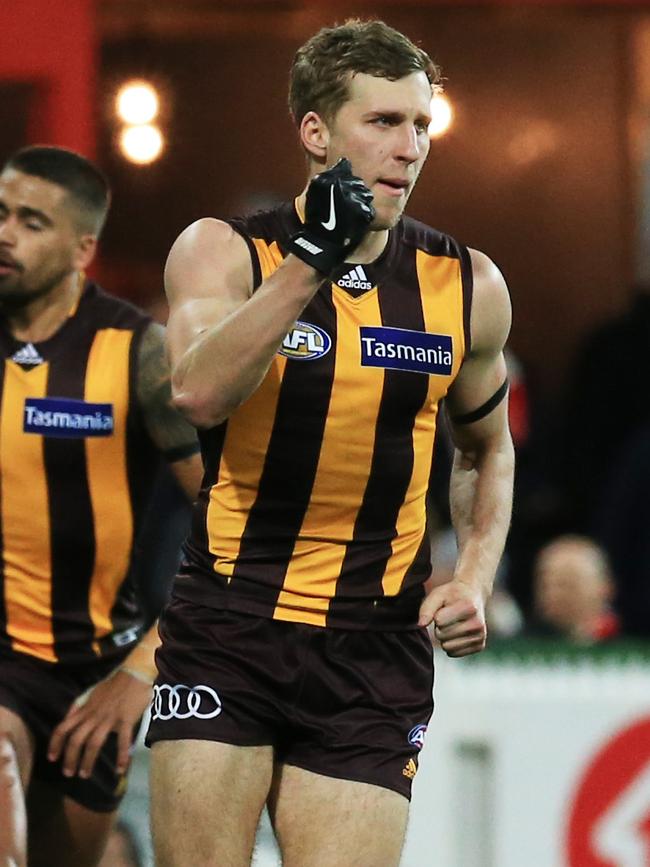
point(467, 279)
point(255, 259)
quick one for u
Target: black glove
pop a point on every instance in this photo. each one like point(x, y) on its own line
point(338, 212)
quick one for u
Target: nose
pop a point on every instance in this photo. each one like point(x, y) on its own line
point(7, 231)
point(409, 148)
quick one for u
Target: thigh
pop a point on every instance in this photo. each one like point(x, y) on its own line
point(364, 708)
point(62, 832)
point(326, 822)
point(16, 755)
point(16, 743)
point(206, 801)
point(40, 694)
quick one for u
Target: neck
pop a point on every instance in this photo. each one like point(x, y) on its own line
point(42, 317)
point(368, 250)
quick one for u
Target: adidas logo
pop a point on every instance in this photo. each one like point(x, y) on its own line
point(27, 354)
point(410, 770)
point(355, 279)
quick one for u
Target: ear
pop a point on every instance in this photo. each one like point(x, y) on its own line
point(85, 252)
point(315, 136)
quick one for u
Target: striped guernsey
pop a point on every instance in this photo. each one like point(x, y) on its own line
point(72, 491)
point(313, 503)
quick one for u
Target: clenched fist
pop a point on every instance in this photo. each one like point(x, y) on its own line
point(338, 214)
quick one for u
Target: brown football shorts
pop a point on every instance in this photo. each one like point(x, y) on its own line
point(349, 704)
point(41, 693)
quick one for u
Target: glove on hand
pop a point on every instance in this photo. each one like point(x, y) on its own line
point(338, 212)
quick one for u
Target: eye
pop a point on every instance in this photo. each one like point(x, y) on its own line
point(34, 226)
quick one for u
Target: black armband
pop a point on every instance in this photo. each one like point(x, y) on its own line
point(178, 453)
point(484, 409)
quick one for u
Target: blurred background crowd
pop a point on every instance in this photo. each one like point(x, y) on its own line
point(540, 157)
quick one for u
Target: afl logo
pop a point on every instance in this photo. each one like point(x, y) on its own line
point(416, 736)
point(305, 342)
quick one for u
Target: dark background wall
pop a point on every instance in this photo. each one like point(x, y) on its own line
point(536, 170)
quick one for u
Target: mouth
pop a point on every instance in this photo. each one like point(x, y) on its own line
point(395, 187)
point(7, 265)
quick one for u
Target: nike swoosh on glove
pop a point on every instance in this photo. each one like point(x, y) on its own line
point(338, 214)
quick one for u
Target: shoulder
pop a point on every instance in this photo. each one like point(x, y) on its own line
point(207, 237)
point(429, 240)
point(211, 254)
point(207, 255)
point(207, 234)
point(273, 224)
point(110, 311)
point(491, 314)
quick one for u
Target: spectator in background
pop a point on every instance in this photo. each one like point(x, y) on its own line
point(605, 405)
point(622, 529)
point(573, 591)
point(538, 512)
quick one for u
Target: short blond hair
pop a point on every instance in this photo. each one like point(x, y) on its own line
point(324, 65)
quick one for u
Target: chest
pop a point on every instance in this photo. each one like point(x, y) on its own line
point(79, 392)
point(393, 340)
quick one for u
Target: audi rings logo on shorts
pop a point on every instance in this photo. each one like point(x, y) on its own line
point(182, 702)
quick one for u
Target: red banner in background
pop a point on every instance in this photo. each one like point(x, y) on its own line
point(609, 822)
point(52, 47)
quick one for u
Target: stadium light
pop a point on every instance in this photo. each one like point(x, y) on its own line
point(137, 102)
point(442, 115)
point(142, 144)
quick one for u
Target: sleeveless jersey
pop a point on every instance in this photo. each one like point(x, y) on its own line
point(76, 465)
point(313, 502)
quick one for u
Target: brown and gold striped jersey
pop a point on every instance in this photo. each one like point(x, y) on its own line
point(75, 467)
point(313, 503)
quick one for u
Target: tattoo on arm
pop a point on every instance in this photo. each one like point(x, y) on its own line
point(174, 436)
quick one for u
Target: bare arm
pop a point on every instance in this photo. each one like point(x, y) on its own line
point(175, 437)
point(482, 473)
point(221, 337)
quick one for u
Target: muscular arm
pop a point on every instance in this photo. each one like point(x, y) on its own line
point(482, 473)
point(221, 337)
point(175, 437)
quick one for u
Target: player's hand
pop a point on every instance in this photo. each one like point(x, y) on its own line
point(338, 214)
point(115, 704)
point(457, 612)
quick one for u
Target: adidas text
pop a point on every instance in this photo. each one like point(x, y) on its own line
point(355, 279)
